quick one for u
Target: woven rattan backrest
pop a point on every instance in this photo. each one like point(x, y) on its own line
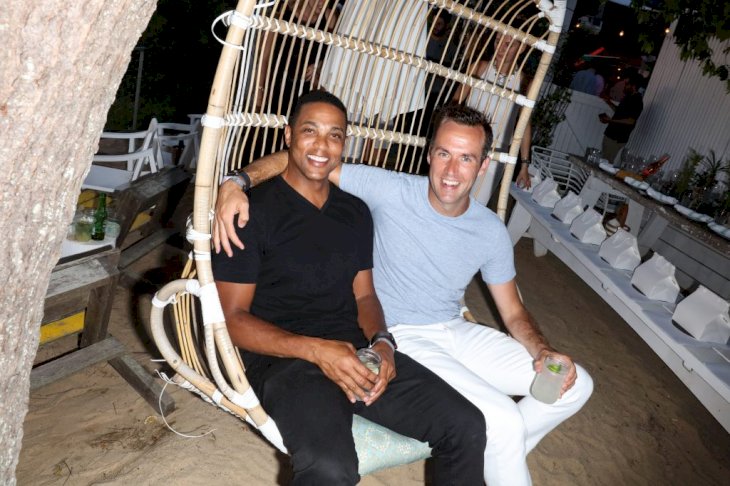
point(376, 56)
point(373, 55)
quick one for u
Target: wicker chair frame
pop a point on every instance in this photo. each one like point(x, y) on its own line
point(274, 43)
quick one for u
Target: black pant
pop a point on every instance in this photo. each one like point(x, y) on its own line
point(315, 420)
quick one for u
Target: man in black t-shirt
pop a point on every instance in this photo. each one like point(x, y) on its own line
point(623, 121)
point(299, 299)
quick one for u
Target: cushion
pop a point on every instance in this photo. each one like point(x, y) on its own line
point(379, 448)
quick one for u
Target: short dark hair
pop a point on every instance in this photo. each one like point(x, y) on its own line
point(317, 96)
point(463, 115)
point(635, 79)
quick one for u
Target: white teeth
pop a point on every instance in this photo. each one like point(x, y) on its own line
point(316, 158)
point(450, 183)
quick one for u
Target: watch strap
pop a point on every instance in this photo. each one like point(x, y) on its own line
point(240, 178)
point(384, 336)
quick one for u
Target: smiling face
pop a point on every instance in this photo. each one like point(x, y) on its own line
point(315, 142)
point(456, 161)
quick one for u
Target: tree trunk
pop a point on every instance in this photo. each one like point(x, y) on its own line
point(60, 65)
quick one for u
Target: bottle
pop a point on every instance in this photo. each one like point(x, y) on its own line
point(97, 231)
point(654, 166)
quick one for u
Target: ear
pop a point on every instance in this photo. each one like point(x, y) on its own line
point(287, 135)
point(485, 164)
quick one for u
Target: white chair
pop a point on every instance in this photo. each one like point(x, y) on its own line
point(174, 136)
point(120, 169)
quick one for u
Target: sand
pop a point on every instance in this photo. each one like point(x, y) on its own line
point(641, 426)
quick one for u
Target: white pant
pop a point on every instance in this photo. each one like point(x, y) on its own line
point(487, 367)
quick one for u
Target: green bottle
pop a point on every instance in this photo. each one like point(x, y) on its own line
point(97, 231)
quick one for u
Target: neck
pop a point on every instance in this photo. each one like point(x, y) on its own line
point(316, 192)
point(450, 210)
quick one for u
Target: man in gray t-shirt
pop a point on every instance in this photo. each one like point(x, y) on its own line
point(430, 240)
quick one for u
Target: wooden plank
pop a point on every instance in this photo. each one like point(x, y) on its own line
point(711, 257)
point(144, 246)
point(162, 191)
point(63, 327)
point(78, 277)
point(72, 283)
point(66, 307)
point(71, 363)
point(98, 312)
point(144, 383)
point(710, 277)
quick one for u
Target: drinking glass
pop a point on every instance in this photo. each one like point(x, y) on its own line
point(547, 384)
point(83, 223)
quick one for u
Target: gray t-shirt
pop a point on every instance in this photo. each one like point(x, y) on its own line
point(422, 260)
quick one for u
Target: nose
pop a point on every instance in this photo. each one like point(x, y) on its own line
point(319, 141)
point(451, 166)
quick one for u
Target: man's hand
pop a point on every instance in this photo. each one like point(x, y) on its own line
point(387, 371)
point(523, 178)
point(604, 118)
point(570, 377)
point(231, 201)
point(339, 363)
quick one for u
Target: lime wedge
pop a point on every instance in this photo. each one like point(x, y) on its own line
point(554, 367)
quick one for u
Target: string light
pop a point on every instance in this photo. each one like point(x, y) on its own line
point(621, 34)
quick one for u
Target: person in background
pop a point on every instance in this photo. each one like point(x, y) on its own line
point(589, 81)
point(501, 112)
point(624, 118)
point(431, 237)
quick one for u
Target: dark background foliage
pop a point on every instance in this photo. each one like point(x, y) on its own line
point(180, 56)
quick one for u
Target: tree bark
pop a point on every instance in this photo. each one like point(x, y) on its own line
point(60, 65)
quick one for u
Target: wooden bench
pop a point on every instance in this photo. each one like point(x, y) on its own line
point(703, 367)
point(80, 293)
point(156, 195)
point(86, 285)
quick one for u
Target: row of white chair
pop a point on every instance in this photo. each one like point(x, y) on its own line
point(148, 151)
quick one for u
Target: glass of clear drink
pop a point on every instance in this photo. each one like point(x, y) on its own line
point(371, 359)
point(547, 384)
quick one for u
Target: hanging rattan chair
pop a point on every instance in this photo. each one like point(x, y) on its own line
point(373, 55)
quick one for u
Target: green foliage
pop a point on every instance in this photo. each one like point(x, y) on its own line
point(708, 169)
point(180, 57)
point(698, 21)
point(687, 173)
point(548, 112)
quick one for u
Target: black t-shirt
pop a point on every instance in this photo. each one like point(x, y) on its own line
point(630, 107)
point(303, 260)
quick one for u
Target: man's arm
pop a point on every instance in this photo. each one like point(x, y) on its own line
point(371, 320)
point(524, 329)
point(607, 98)
point(231, 200)
point(523, 178)
point(336, 359)
point(462, 92)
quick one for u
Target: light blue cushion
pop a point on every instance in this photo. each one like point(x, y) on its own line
point(379, 448)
